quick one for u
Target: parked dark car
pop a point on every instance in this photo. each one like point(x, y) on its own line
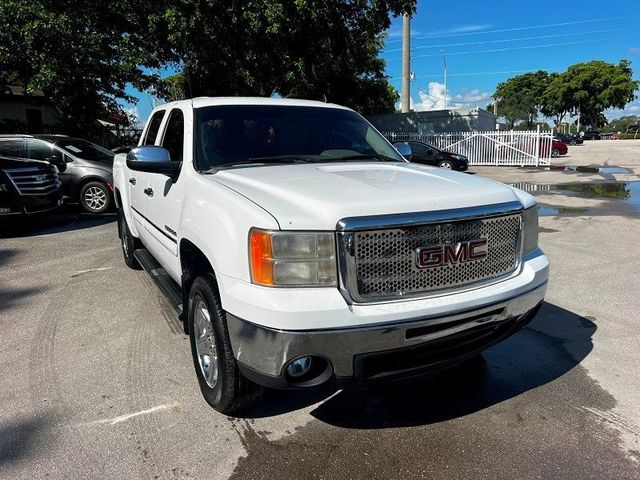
point(28, 187)
point(85, 168)
point(591, 135)
point(426, 154)
point(569, 139)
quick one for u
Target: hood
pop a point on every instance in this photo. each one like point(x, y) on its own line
point(316, 197)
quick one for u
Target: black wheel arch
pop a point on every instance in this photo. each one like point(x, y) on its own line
point(193, 263)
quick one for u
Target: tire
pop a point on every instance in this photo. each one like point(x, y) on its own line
point(446, 164)
point(95, 197)
point(555, 152)
point(224, 388)
point(128, 242)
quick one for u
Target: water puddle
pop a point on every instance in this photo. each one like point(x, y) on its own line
point(621, 198)
point(612, 170)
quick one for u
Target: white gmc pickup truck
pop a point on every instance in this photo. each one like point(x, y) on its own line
point(301, 248)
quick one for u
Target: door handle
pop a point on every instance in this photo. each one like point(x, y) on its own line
point(132, 181)
point(148, 192)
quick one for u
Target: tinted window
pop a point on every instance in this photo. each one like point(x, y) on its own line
point(85, 149)
point(242, 134)
point(154, 126)
point(418, 147)
point(37, 150)
point(174, 135)
point(12, 148)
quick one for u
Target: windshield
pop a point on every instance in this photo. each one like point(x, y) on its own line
point(239, 134)
point(85, 149)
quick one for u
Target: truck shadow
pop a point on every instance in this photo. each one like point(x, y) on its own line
point(21, 437)
point(553, 344)
point(69, 219)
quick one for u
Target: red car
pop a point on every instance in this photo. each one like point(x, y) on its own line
point(558, 148)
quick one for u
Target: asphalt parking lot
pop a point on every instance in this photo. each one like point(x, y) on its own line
point(97, 376)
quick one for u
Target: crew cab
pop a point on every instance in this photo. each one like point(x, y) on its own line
point(301, 248)
point(27, 188)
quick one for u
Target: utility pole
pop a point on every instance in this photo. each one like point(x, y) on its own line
point(444, 61)
point(406, 56)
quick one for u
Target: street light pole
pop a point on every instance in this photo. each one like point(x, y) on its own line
point(406, 74)
point(444, 61)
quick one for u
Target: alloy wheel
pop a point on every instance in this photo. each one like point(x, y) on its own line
point(205, 341)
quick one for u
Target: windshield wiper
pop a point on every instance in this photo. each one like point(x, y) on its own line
point(369, 156)
point(261, 161)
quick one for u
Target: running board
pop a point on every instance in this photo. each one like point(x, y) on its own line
point(161, 278)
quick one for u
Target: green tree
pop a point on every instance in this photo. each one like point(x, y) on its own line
point(556, 99)
point(319, 49)
point(81, 55)
point(621, 124)
point(593, 87)
point(520, 98)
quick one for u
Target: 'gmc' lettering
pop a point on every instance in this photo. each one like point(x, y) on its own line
point(451, 254)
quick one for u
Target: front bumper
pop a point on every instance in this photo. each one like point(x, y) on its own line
point(383, 352)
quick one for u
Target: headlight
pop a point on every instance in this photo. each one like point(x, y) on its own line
point(292, 259)
point(530, 229)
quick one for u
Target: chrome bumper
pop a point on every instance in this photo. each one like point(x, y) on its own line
point(263, 352)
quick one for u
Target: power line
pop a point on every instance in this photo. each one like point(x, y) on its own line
point(527, 47)
point(469, 74)
point(505, 40)
point(517, 29)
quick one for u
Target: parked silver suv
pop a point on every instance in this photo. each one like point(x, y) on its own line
point(85, 168)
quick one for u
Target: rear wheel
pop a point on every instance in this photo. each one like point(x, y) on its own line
point(555, 152)
point(221, 383)
point(95, 197)
point(446, 164)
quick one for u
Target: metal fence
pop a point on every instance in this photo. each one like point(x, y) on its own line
point(518, 148)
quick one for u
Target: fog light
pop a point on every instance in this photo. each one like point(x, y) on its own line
point(299, 367)
point(5, 210)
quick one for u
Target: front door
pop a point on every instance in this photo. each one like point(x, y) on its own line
point(140, 182)
point(164, 202)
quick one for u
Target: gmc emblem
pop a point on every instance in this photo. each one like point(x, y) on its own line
point(451, 254)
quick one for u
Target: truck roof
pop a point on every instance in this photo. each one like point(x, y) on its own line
point(215, 101)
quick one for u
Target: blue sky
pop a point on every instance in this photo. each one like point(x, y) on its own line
point(488, 41)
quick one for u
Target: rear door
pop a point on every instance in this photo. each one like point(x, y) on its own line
point(164, 204)
point(140, 181)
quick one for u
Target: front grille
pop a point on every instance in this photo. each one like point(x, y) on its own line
point(385, 260)
point(34, 180)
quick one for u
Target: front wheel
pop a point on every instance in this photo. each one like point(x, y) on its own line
point(95, 197)
point(221, 383)
point(555, 152)
point(446, 164)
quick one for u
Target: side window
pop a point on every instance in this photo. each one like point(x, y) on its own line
point(37, 150)
point(417, 148)
point(12, 148)
point(154, 126)
point(174, 135)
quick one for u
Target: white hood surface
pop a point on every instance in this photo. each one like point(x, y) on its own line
point(317, 196)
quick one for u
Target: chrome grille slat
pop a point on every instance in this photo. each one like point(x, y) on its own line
point(382, 262)
point(33, 181)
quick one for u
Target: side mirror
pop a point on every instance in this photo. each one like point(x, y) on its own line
point(153, 159)
point(57, 162)
point(404, 149)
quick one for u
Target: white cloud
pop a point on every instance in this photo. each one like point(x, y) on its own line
point(473, 96)
point(433, 98)
point(634, 51)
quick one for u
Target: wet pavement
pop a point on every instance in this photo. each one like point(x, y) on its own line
point(98, 377)
point(612, 198)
